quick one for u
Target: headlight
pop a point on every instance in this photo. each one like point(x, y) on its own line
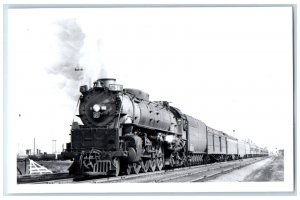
point(169, 138)
point(96, 108)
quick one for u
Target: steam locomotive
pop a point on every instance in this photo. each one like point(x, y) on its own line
point(122, 132)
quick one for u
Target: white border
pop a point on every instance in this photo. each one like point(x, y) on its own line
point(111, 188)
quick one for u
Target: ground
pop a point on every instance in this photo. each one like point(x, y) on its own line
point(56, 166)
point(270, 169)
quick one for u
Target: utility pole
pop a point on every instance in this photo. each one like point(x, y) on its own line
point(33, 146)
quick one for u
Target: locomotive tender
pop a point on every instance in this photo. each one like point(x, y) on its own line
point(124, 132)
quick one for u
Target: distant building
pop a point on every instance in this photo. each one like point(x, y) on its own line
point(28, 151)
point(281, 152)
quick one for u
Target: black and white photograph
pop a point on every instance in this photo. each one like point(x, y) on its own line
point(121, 98)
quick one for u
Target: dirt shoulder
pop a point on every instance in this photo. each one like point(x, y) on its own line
point(272, 172)
point(269, 169)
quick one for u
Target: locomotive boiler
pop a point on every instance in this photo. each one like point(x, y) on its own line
point(123, 132)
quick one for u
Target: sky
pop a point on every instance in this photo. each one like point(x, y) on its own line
point(228, 67)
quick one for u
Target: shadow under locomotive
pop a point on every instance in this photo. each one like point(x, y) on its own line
point(122, 132)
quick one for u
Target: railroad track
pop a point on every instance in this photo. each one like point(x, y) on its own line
point(186, 174)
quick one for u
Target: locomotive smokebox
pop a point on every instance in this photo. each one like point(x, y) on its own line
point(105, 82)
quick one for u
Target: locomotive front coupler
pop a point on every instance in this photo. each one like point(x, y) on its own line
point(96, 162)
point(105, 155)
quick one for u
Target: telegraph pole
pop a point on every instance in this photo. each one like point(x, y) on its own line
point(33, 146)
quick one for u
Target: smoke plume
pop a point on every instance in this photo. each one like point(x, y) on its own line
point(70, 41)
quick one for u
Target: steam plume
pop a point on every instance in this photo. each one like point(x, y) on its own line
point(103, 73)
